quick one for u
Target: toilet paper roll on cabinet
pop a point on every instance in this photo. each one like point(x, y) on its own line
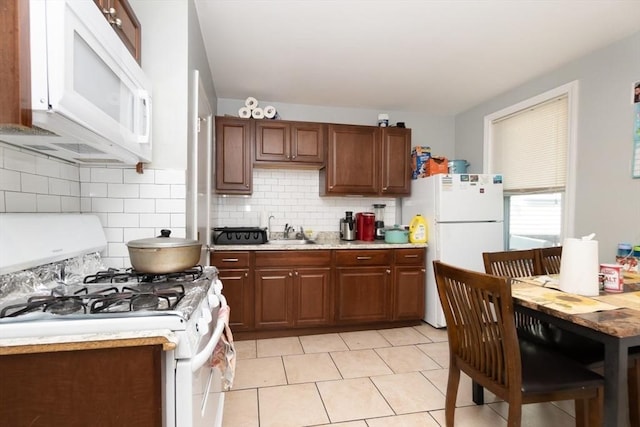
point(579, 267)
point(251, 103)
point(270, 112)
point(257, 113)
point(244, 113)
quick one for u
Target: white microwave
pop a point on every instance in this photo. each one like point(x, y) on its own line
point(91, 101)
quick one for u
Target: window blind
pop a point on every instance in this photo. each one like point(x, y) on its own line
point(530, 147)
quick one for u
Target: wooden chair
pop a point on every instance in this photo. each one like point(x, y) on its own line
point(550, 259)
point(483, 343)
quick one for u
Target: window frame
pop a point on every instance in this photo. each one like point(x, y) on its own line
point(571, 91)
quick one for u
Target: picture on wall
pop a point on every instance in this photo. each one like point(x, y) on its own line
point(635, 172)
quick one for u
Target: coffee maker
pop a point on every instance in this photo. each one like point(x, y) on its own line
point(378, 210)
point(347, 227)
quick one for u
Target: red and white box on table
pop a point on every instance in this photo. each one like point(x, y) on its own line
point(611, 275)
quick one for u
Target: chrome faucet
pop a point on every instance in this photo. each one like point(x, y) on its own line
point(269, 227)
point(288, 229)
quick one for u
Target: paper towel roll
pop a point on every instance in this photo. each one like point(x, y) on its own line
point(244, 113)
point(270, 112)
point(257, 113)
point(251, 103)
point(579, 267)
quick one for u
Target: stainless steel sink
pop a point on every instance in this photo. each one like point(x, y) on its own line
point(291, 242)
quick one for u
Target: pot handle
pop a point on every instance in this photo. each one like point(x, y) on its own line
point(165, 233)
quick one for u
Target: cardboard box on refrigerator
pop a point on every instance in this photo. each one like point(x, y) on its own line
point(419, 157)
point(437, 165)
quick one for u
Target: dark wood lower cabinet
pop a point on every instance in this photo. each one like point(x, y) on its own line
point(296, 292)
point(296, 296)
point(363, 294)
point(103, 387)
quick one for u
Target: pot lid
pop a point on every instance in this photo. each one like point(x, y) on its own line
point(162, 241)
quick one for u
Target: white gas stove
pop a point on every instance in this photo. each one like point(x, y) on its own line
point(51, 286)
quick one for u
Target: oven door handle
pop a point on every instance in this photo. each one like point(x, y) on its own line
point(203, 357)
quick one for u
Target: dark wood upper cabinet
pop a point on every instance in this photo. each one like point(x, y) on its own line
point(124, 22)
point(367, 160)
point(289, 144)
point(396, 162)
point(233, 156)
point(15, 68)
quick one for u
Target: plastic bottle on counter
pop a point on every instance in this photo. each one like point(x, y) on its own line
point(418, 229)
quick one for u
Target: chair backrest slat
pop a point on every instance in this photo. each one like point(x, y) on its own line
point(521, 263)
point(480, 322)
point(550, 259)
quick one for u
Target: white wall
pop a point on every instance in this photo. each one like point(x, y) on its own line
point(293, 196)
point(607, 198)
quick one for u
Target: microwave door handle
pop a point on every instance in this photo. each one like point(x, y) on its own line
point(143, 95)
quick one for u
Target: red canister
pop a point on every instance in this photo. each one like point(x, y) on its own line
point(365, 226)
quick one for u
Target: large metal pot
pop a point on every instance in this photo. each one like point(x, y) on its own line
point(164, 254)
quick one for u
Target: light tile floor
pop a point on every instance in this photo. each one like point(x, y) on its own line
point(378, 378)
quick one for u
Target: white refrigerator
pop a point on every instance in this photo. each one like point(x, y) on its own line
point(464, 214)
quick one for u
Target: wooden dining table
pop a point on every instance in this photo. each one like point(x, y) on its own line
point(615, 323)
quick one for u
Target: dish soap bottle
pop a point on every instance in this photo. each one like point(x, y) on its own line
point(418, 229)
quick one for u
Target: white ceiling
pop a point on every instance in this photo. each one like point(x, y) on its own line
point(439, 57)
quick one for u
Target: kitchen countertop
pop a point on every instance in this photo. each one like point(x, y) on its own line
point(319, 245)
point(42, 344)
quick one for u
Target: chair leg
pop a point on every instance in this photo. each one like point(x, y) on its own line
point(633, 384)
point(452, 394)
point(589, 412)
point(514, 418)
point(477, 393)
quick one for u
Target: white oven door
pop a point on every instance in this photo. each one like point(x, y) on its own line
point(199, 396)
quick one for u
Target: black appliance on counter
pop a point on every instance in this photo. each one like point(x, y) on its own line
point(239, 236)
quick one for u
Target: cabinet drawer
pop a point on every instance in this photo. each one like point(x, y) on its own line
point(293, 258)
point(363, 257)
point(410, 256)
point(230, 259)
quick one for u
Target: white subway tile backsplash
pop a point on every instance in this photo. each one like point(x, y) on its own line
point(117, 263)
point(2, 205)
point(155, 220)
point(108, 175)
point(178, 191)
point(131, 191)
point(123, 220)
point(46, 203)
point(170, 206)
point(20, 202)
point(34, 183)
point(69, 172)
point(107, 205)
point(170, 177)
point(154, 191)
point(133, 177)
point(137, 233)
point(113, 234)
point(117, 249)
point(85, 204)
point(74, 188)
point(47, 167)
point(93, 189)
point(178, 220)
point(19, 161)
point(69, 204)
point(9, 180)
point(139, 205)
point(85, 174)
point(59, 187)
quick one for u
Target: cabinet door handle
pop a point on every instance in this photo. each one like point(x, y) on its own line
point(363, 258)
point(246, 185)
point(229, 259)
point(388, 271)
point(297, 273)
point(423, 270)
point(293, 157)
point(290, 274)
point(411, 256)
